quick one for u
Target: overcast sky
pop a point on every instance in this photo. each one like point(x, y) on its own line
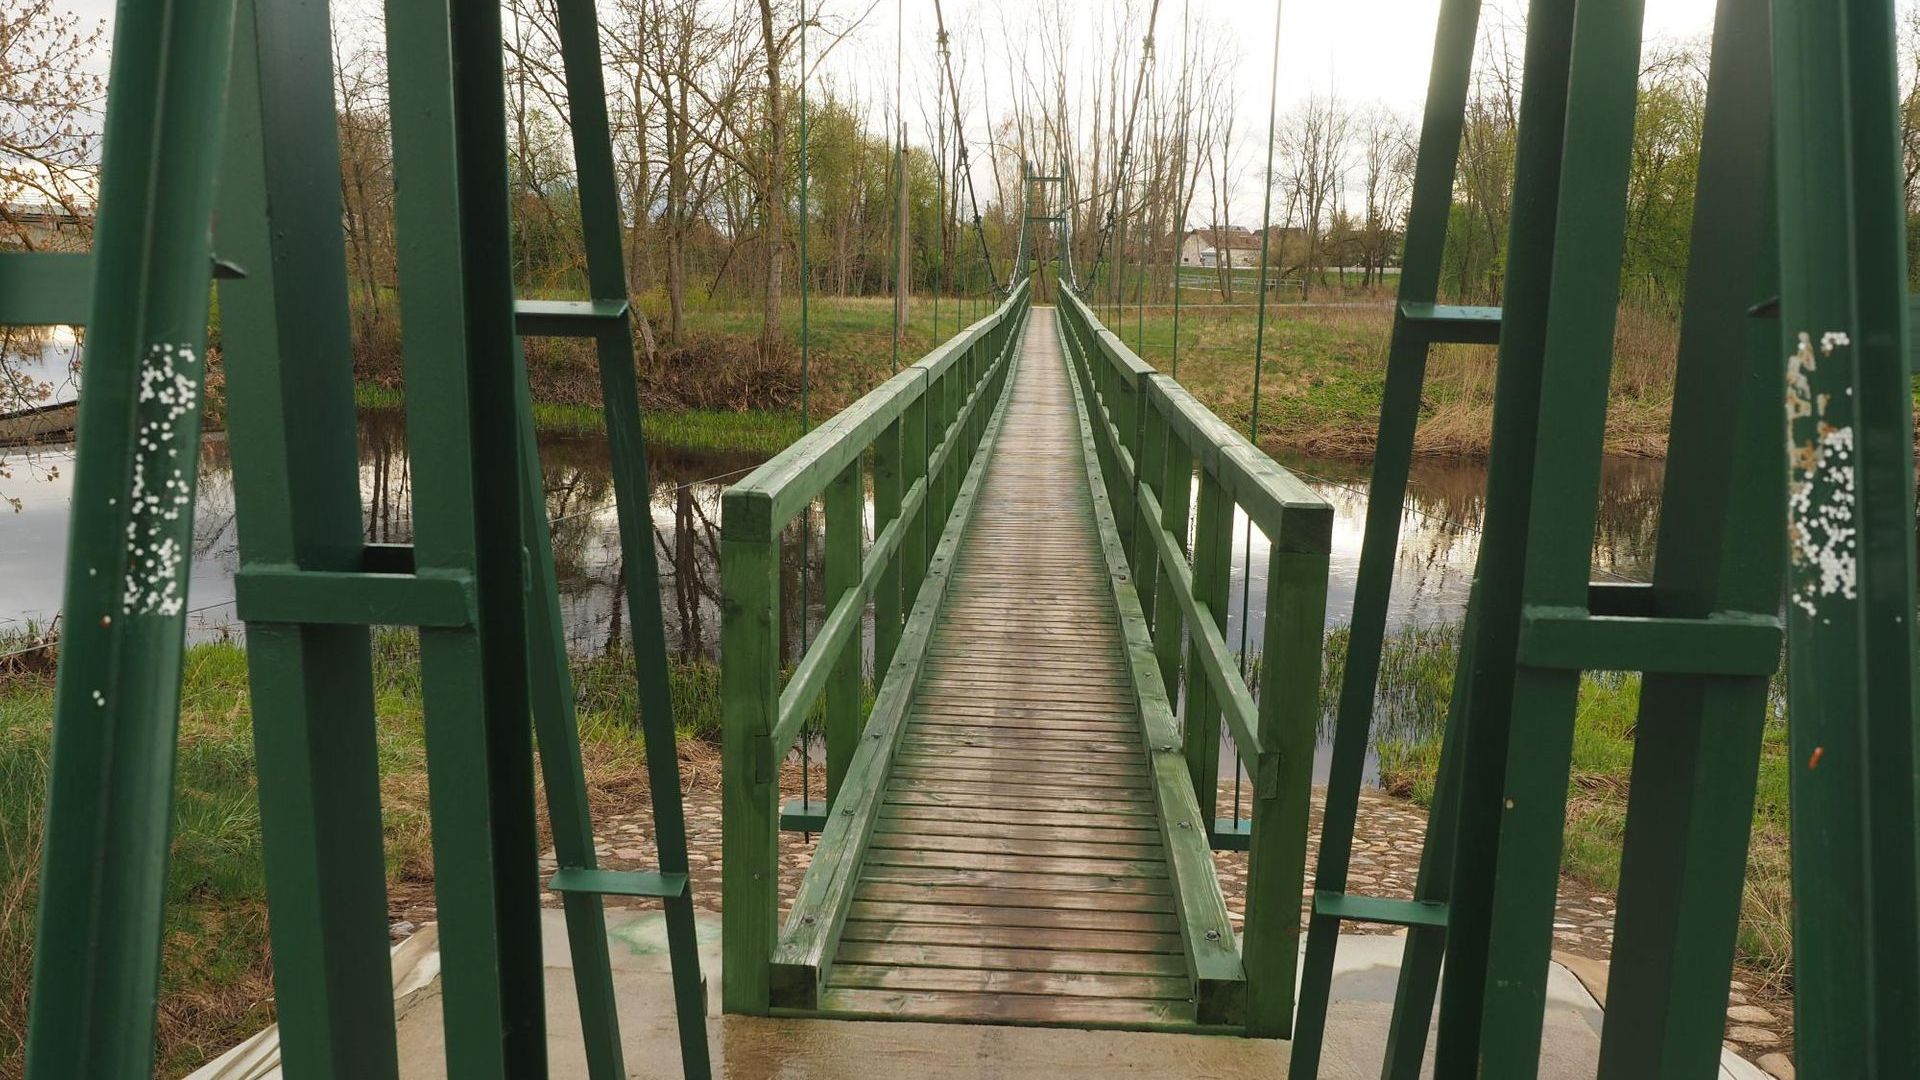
point(1364, 50)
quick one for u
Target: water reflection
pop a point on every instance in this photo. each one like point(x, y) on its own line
point(1439, 544)
point(577, 478)
point(1439, 539)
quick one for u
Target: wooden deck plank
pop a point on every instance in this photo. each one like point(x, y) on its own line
point(983, 915)
point(1012, 937)
point(1005, 959)
point(1140, 987)
point(1132, 817)
point(908, 840)
point(936, 780)
point(1012, 830)
point(1056, 865)
point(1015, 896)
point(1007, 1008)
point(1042, 804)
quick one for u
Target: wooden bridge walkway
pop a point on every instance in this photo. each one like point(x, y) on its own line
point(1016, 870)
point(1020, 821)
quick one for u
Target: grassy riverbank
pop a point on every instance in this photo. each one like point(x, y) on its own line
point(216, 979)
point(1416, 683)
point(753, 431)
point(1325, 369)
point(713, 391)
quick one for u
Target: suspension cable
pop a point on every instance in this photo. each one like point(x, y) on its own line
point(960, 138)
point(1180, 189)
point(900, 171)
point(1260, 322)
point(1126, 143)
point(806, 512)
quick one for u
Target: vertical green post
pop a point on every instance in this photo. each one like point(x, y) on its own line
point(103, 877)
point(1212, 559)
point(888, 490)
point(1493, 617)
point(551, 682)
point(750, 796)
point(1843, 310)
point(1698, 739)
point(1576, 361)
point(499, 566)
point(600, 210)
point(1437, 155)
point(1145, 553)
point(913, 461)
point(846, 528)
point(1283, 774)
point(1176, 508)
point(290, 425)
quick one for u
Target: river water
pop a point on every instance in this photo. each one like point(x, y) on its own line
point(1439, 538)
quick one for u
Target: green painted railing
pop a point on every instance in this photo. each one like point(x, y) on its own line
point(1150, 435)
point(918, 431)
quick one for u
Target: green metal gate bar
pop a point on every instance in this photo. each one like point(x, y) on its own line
point(109, 811)
point(1419, 323)
point(308, 586)
point(924, 427)
point(1150, 434)
point(1846, 331)
point(1705, 634)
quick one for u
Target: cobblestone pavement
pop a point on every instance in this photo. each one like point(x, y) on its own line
point(1386, 860)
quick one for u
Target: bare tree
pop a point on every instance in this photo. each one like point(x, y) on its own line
point(49, 124)
point(1388, 142)
point(1315, 144)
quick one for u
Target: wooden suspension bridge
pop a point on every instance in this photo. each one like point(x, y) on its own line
point(1014, 835)
point(1020, 814)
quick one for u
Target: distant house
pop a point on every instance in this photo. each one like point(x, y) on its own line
point(40, 225)
point(1217, 245)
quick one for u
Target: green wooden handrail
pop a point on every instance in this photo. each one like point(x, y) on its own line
point(1150, 437)
point(921, 429)
point(1134, 398)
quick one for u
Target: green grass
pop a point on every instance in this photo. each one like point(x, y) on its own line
point(216, 979)
point(1417, 676)
point(753, 431)
point(849, 352)
point(1323, 371)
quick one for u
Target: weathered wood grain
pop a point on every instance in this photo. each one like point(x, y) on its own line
point(1017, 871)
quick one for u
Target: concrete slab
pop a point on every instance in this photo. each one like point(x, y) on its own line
point(752, 1048)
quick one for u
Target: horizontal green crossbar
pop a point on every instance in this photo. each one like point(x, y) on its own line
point(803, 815)
point(569, 318)
point(1282, 505)
point(1451, 323)
point(792, 478)
point(618, 882)
point(1570, 639)
point(353, 598)
point(810, 675)
point(1231, 834)
point(45, 289)
point(1377, 909)
point(1236, 701)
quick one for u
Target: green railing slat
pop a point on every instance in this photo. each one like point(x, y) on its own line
point(643, 883)
point(352, 598)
